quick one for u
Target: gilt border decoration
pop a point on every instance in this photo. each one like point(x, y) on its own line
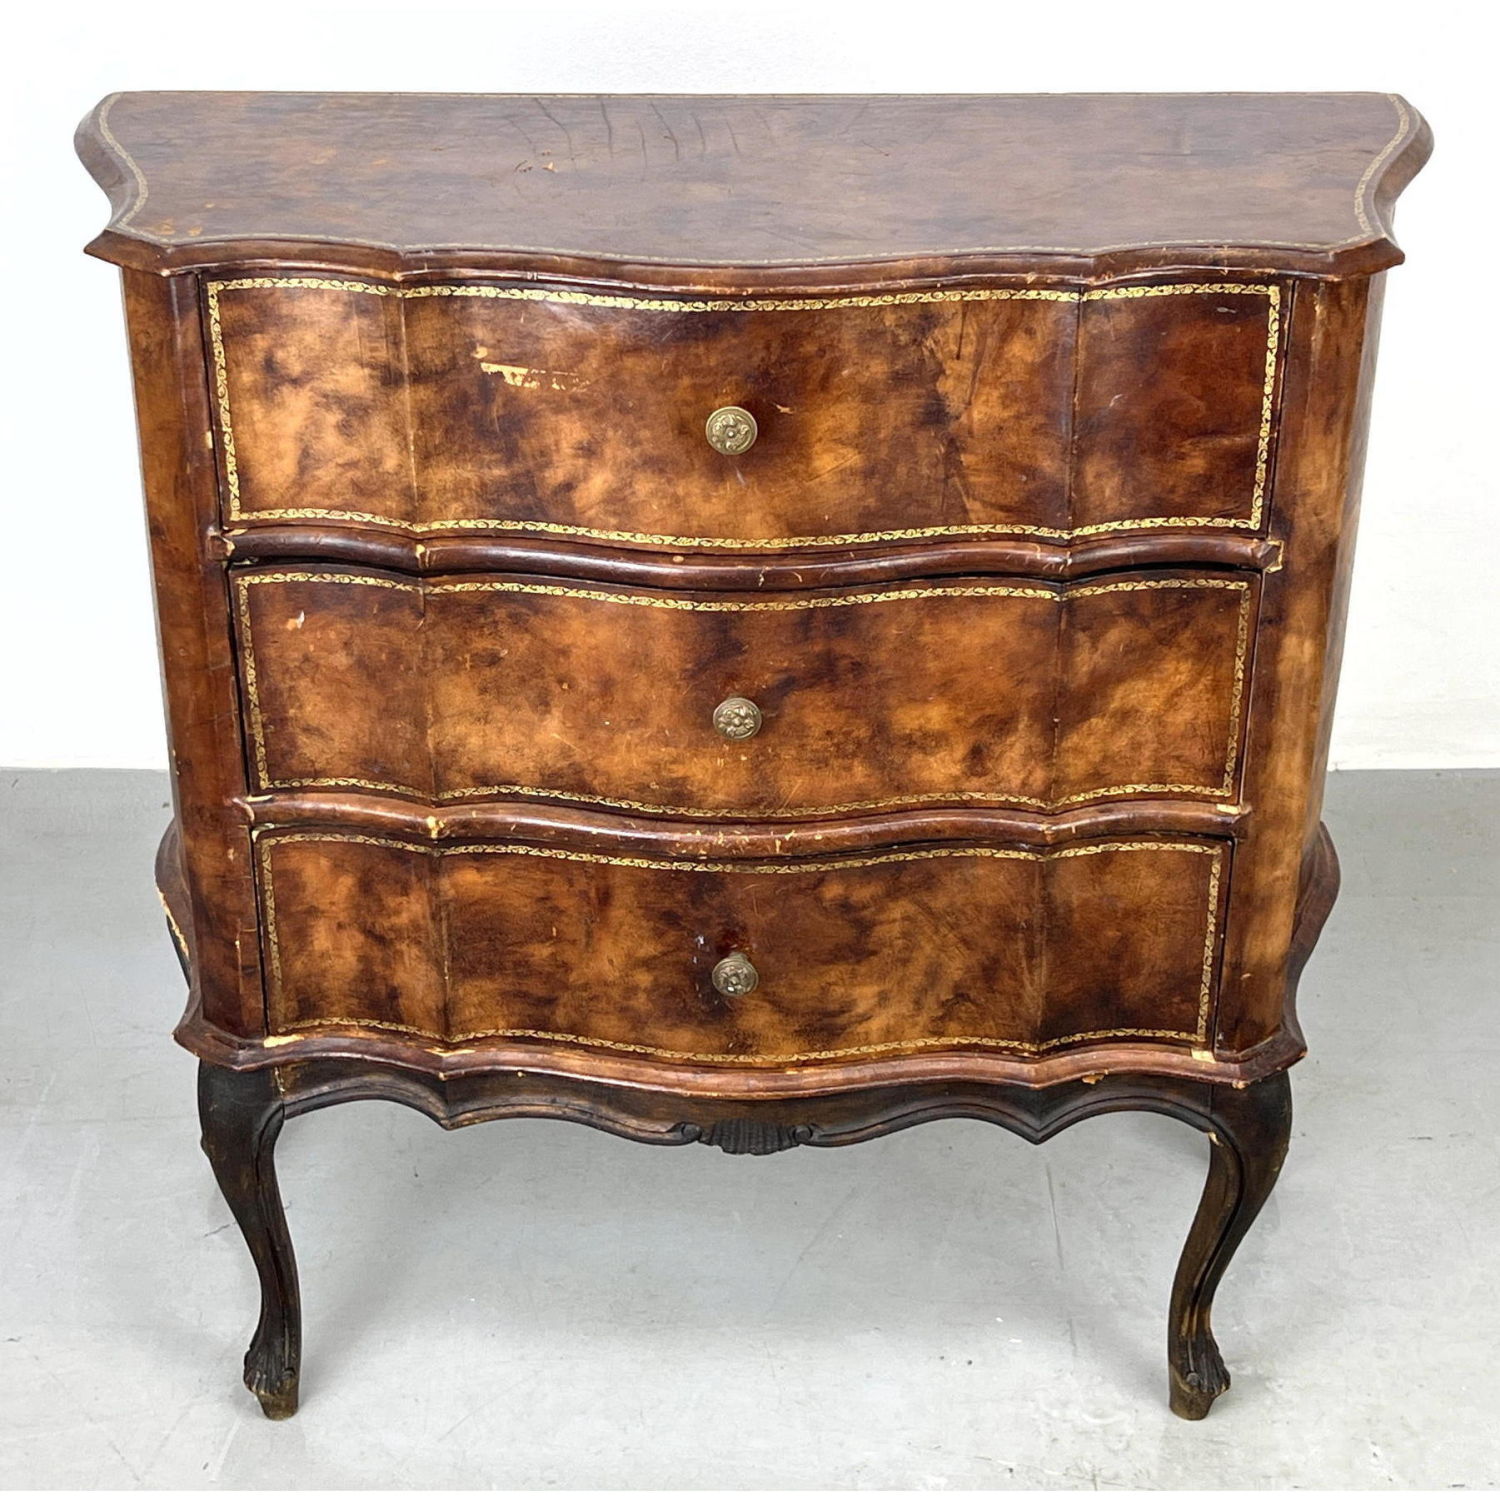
point(237, 514)
point(266, 782)
point(267, 840)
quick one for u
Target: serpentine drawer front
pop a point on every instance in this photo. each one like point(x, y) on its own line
point(1007, 693)
point(989, 411)
point(790, 618)
point(619, 952)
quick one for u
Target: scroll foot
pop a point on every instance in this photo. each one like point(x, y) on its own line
point(1248, 1130)
point(241, 1115)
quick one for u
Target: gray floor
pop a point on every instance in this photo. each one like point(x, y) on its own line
point(538, 1306)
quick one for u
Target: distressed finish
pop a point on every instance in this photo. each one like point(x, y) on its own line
point(1007, 693)
point(880, 955)
point(774, 184)
point(980, 412)
point(1031, 583)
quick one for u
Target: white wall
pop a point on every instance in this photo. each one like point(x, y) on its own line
point(77, 656)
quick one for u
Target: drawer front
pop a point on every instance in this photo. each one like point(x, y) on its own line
point(884, 954)
point(1025, 694)
point(1037, 412)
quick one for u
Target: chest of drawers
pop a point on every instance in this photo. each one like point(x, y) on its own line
point(751, 621)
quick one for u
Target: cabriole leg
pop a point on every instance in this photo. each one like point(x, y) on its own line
point(242, 1115)
point(1248, 1131)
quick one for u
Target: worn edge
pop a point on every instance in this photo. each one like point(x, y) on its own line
point(1372, 250)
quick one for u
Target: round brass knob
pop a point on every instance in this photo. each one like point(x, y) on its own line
point(731, 430)
point(734, 975)
point(737, 719)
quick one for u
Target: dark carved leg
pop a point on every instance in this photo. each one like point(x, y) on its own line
point(242, 1115)
point(1249, 1131)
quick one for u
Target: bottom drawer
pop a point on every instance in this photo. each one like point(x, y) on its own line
point(877, 954)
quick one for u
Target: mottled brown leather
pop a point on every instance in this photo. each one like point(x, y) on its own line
point(1162, 414)
point(1037, 574)
point(895, 955)
point(982, 692)
point(1009, 417)
point(1192, 437)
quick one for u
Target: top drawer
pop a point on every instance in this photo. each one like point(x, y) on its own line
point(985, 412)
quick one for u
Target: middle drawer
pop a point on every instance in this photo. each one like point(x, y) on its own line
point(993, 693)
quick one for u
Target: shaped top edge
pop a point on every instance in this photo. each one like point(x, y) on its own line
point(754, 190)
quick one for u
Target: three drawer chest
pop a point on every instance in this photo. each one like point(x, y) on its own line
point(755, 621)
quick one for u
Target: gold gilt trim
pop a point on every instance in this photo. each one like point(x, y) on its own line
point(668, 1054)
point(267, 840)
point(236, 513)
point(1403, 125)
point(756, 605)
point(1059, 595)
point(741, 866)
point(1210, 948)
point(268, 912)
point(661, 304)
point(142, 191)
point(878, 804)
point(250, 677)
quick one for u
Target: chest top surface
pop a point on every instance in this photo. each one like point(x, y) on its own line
point(1086, 183)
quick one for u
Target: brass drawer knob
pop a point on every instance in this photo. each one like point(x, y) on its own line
point(734, 975)
point(737, 719)
point(731, 430)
